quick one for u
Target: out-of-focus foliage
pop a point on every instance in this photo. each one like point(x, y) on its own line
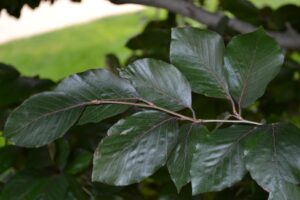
point(14, 7)
point(279, 19)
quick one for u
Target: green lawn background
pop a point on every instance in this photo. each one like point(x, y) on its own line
point(60, 53)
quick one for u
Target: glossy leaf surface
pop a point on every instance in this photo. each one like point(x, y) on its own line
point(252, 60)
point(62, 152)
point(272, 155)
point(198, 54)
point(160, 83)
point(135, 148)
point(180, 161)
point(8, 157)
point(218, 159)
point(47, 116)
point(42, 118)
point(15, 88)
point(98, 84)
point(285, 191)
point(80, 161)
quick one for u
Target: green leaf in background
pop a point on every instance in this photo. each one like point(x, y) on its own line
point(79, 161)
point(1, 187)
point(160, 83)
point(8, 157)
point(4, 113)
point(36, 185)
point(104, 192)
point(135, 148)
point(155, 40)
point(38, 158)
point(7, 72)
point(252, 60)
point(14, 88)
point(198, 54)
point(218, 159)
point(243, 9)
point(272, 155)
point(62, 152)
point(112, 63)
point(98, 84)
point(75, 190)
point(42, 118)
point(180, 161)
point(286, 14)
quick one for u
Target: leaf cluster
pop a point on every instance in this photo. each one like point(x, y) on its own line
point(160, 126)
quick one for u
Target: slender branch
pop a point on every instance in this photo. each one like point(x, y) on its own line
point(143, 105)
point(229, 121)
point(178, 115)
point(289, 39)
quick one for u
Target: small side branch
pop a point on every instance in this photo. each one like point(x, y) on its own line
point(193, 112)
point(236, 114)
point(229, 121)
point(143, 105)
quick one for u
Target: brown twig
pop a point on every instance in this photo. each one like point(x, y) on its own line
point(288, 39)
point(150, 105)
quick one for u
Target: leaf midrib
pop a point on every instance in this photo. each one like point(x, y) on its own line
point(185, 149)
point(275, 157)
point(116, 155)
point(248, 74)
point(52, 113)
point(86, 103)
point(174, 98)
point(208, 68)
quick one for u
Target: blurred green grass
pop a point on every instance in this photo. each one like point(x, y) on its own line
point(2, 140)
point(274, 3)
point(60, 53)
point(73, 49)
